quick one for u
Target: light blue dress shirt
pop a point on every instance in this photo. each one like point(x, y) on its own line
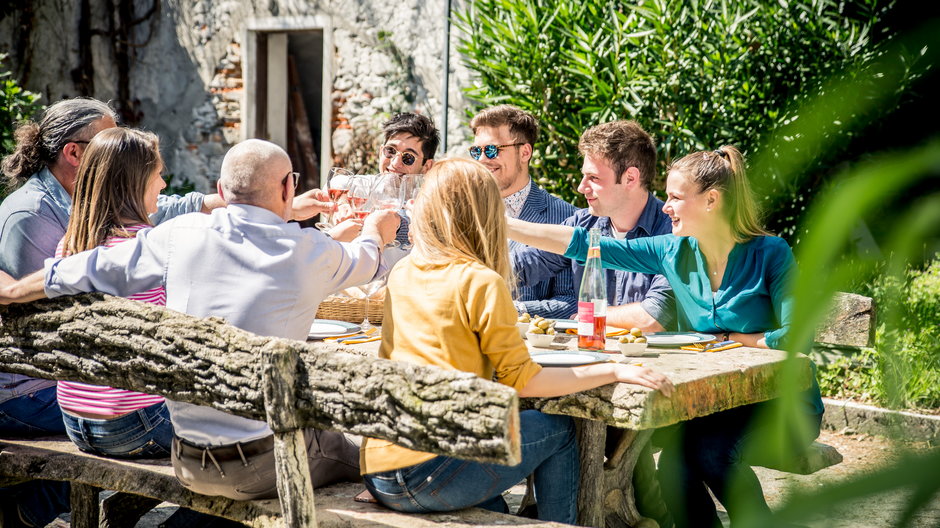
point(242, 263)
point(752, 297)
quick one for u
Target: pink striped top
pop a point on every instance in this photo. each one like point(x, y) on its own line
point(108, 401)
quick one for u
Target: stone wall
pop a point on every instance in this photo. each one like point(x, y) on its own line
point(185, 68)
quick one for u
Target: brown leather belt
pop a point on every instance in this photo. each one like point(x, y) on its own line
point(225, 453)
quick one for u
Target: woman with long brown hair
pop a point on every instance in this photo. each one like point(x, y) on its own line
point(730, 278)
point(116, 190)
point(448, 304)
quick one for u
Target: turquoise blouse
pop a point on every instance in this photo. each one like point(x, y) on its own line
point(752, 296)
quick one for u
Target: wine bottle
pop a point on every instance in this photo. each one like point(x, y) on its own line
point(592, 299)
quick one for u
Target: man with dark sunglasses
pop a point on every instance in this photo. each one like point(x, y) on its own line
point(504, 138)
point(410, 143)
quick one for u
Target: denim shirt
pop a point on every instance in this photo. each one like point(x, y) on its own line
point(623, 287)
point(33, 220)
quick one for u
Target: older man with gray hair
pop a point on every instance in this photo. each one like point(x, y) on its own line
point(246, 264)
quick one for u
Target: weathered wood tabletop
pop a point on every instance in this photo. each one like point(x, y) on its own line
point(705, 383)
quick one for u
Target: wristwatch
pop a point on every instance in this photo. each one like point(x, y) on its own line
point(726, 336)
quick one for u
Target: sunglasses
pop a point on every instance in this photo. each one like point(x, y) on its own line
point(491, 151)
point(407, 158)
point(296, 176)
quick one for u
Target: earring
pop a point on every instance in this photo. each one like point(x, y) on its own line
point(708, 209)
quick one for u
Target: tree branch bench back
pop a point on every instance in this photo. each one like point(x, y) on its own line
point(292, 385)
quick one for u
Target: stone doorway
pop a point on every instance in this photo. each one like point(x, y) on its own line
point(288, 75)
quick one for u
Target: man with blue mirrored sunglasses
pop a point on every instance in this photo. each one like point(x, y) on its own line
point(503, 141)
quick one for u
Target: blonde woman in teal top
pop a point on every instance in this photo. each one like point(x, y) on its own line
point(730, 278)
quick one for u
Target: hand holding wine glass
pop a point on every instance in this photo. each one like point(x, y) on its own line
point(410, 187)
point(336, 186)
point(386, 195)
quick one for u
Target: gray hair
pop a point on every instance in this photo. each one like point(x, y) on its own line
point(39, 145)
point(244, 169)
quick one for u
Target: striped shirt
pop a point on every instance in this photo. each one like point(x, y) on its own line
point(108, 401)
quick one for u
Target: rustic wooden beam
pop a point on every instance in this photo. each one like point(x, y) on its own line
point(60, 459)
point(84, 501)
point(94, 338)
point(294, 485)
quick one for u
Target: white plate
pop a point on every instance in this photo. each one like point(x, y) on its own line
point(677, 339)
point(323, 328)
point(568, 359)
point(564, 324)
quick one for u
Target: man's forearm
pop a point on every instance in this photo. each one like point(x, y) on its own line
point(212, 201)
point(550, 237)
point(29, 288)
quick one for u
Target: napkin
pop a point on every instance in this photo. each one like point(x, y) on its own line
point(365, 333)
point(355, 340)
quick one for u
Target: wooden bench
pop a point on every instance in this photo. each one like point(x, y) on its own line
point(292, 385)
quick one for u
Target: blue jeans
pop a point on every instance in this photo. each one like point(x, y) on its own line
point(144, 433)
point(714, 451)
point(34, 414)
point(549, 450)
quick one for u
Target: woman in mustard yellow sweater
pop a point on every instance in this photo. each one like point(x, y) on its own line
point(448, 304)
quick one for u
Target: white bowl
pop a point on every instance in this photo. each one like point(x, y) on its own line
point(523, 328)
point(540, 340)
point(631, 348)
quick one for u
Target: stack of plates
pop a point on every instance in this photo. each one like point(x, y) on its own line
point(676, 339)
point(323, 328)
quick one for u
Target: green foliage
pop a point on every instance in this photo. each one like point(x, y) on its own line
point(695, 74)
point(16, 105)
point(177, 185)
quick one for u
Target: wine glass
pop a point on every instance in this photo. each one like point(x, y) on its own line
point(337, 185)
point(360, 189)
point(386, 194)
point(410, 186)
point(370, 289)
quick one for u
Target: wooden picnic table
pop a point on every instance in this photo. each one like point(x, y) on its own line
point(705, 383)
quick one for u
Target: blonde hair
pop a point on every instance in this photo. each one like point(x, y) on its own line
point(459, 215)
point(723, 170)
point(111, 187)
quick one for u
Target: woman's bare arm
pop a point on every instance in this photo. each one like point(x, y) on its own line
point(550, 237)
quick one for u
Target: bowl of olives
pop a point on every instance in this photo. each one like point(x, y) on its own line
point(522, 323)
point(540, 332)
point(632, 343)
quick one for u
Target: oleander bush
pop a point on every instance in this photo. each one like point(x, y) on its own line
point(16, 105)
point(696, 75)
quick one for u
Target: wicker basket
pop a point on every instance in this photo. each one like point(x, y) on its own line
point(342, 308)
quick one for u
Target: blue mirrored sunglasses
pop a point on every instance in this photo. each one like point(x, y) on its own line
point(490, 151)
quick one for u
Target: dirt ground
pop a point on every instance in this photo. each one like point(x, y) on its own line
point(862, 453)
